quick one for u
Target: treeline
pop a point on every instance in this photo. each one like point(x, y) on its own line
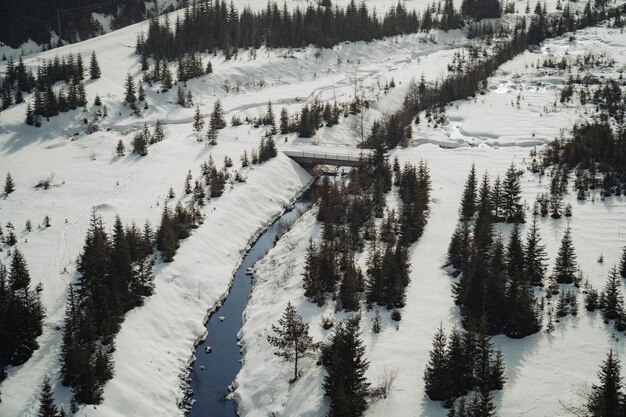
point(495, 286)
point(348, 214)
point(461, 362)
point(37, 19)
point(208, 25)
point(21, 314)
point(395, 129)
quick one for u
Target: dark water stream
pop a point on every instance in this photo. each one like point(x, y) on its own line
point(214, 371)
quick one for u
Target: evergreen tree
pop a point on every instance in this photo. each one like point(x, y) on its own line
point(47, 407)
point(217, 117)
point(180, 96)
point(284, 121)
point(159, 132)
point(198, 120)
point(188, 179)
point(534, 256)
point(167, 241)
point(345, 383)
point(270, 119)
point(94, 67)
point(495, 199)
point(622, 263)
point(292, 339)
point(140, 144)
point(9, 184)
point(481, 9)
point(30, 115)
point(468, 200)
point(120, 149)
point(141, 94)
point(607, 398)
point(436, 375)
point(565, 267)
point(130, 97)
point(611, 299)
point(511, 196)
point(376, 325)
point(23, 314)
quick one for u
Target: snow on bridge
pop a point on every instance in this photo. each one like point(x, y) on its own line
point(316, 155)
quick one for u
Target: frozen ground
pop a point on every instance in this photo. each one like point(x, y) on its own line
point(156, 340)
point(544, 370)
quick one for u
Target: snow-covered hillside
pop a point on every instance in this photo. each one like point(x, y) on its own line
point(546, 372)
point(156, 340)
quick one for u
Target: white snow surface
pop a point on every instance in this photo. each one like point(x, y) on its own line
point(156, 340)
point(546, 373)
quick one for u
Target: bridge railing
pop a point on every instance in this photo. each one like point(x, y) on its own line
point(334, 156)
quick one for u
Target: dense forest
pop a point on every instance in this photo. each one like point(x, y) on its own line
point(208, 26)
point(36, 19)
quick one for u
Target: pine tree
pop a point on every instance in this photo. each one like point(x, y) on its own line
point(9, 184)
point(284, 121)
point(468, 200)
point(159, 132)
point(30, 115)
point(166, 78)
point(611, 299)
point(376, 325)
point(534, 256)
point(511, 196)
point(622, 263)
point(495, 199)
point(270, 119)
point(180, 96)
point(436, 372)
point(140, 144)
point(130, 97)
point(24, 313)
point(565, 267)
point(120, 149)
point(167, 241)
point(198, 120)
point(47, 407)
point(607, 398)
point(217, 117)
point(292, 339)
point(209, 68)
point(345, 383)
point(141, 94)
point(94, 67)
point(188, 179)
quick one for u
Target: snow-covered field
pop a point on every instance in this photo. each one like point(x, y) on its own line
point(156, 339)
point(544, 371)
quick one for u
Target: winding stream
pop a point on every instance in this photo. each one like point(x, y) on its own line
point(218, 358)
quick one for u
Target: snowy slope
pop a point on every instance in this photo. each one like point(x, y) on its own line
point(544, 371)
point(156, 340)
